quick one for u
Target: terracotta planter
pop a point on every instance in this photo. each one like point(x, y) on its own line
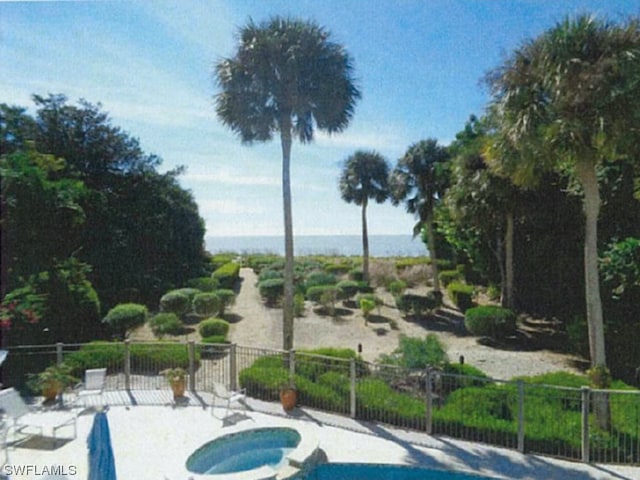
point(178, 386)
point(288, 398)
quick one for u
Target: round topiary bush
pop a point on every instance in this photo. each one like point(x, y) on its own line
point(213, 327)
point(166, 324)
point(315, 293)
point(227, 298)
point(461, 295)
point(175, 301)
point(490, 321)
point(206, 304)
point(271, 290)
point(347, 289)
point(126, 316)
point(315, 279)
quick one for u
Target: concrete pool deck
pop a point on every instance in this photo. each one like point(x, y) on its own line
point(152, 439)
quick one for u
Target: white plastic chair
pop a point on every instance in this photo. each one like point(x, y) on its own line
point(24, 417)
point(228, 396)
point(93, 386)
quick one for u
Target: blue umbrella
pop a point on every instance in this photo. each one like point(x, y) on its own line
point(101, 463)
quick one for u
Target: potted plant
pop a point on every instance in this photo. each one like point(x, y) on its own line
point(52, 381)
point(177, 378)
point(288, 396)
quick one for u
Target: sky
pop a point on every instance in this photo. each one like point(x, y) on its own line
point(418, 63)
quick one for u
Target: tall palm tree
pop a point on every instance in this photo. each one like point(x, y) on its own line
point(364, 177)
point(420, 180)
point(288, 77)
point(569, 100)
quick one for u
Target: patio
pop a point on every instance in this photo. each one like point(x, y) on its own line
point(153, 436)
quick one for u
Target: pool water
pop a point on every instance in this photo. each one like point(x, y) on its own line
point(243, 451)
point(360, 471)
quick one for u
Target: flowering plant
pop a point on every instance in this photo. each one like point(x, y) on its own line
point(21, 307)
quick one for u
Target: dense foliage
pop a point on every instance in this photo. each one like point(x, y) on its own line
point(75, 188)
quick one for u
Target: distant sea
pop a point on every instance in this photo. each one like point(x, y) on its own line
point(379, 245)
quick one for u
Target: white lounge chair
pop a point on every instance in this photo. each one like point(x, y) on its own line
point(227, 396)
point(23, 417)
point(93, 386)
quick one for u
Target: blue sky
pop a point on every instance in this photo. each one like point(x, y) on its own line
point(418, 63)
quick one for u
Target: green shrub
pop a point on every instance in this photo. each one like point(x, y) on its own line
point(298, 304)
point(264, 382)
point(204, 284)
point(315, 293)
point(271, 290)
point(227, 298)
point(328, 299)
point(166, 324)
point(269, 274)
point(376, 400)
point(213, 327)
point(315, 279)
point(227, 275)
point(147, 357)
point(215, 339)
point(448, 276)
point(318, 395)
point(410, 303)
point(219, 259)
point(206, 304)
point(337, 268)
point(417, 353)
point(347, 289)
point(461, 295)
point(397, 287)
point(356, 274)
point(175, 301)
point(490, 320)
point(465, 371)
point(125, 316)
point(367, 306)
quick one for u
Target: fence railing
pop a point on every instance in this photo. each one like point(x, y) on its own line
point(542, 419)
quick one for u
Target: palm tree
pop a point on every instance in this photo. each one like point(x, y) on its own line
point(420, 180)
point(365, 176)
point(288, 77)
point(569, 100)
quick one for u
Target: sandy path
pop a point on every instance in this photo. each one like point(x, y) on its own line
point(260, 326)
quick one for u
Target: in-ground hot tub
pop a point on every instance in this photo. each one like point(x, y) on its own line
point(247, 451)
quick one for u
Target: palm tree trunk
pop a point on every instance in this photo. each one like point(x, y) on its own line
point(287, 304)
point(431, 240)
point(587, 174)
point(365, 243)
point(509, 300)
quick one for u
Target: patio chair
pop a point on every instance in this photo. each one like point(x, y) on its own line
point(23, 417)
point(227, 396)
point(93, 386)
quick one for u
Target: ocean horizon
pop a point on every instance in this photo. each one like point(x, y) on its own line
point(340, 245)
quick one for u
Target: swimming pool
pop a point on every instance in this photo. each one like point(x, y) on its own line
point(244, 451)
point(367, 471)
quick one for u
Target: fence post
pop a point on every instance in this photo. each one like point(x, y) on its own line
point(59, 346)
point(429, 402)
point(233, 367)
point(586, 394)
point(127, 364)
point(292, 366)
point(191, 348)
point(520, 416)
point(352, 387)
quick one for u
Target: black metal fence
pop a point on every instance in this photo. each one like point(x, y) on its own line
point(544, 419)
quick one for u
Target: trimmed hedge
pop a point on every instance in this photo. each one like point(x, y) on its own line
point(449, 276)
point(410, 303)
point(461, 295)
point(271, 290)
point(204, 284)
point(145, 357)
point(166, 324)
point(490, 321)
point(175, 301)
point(213, 327)
point(227, 275)
point(126, 316)
point(347, 289)
point(227, 298)
point(315, 279)
point(315, 293)
point(207, 304)
point(215, 339)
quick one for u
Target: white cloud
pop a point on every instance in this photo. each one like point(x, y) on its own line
point(232, 178)
point(228, 207)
